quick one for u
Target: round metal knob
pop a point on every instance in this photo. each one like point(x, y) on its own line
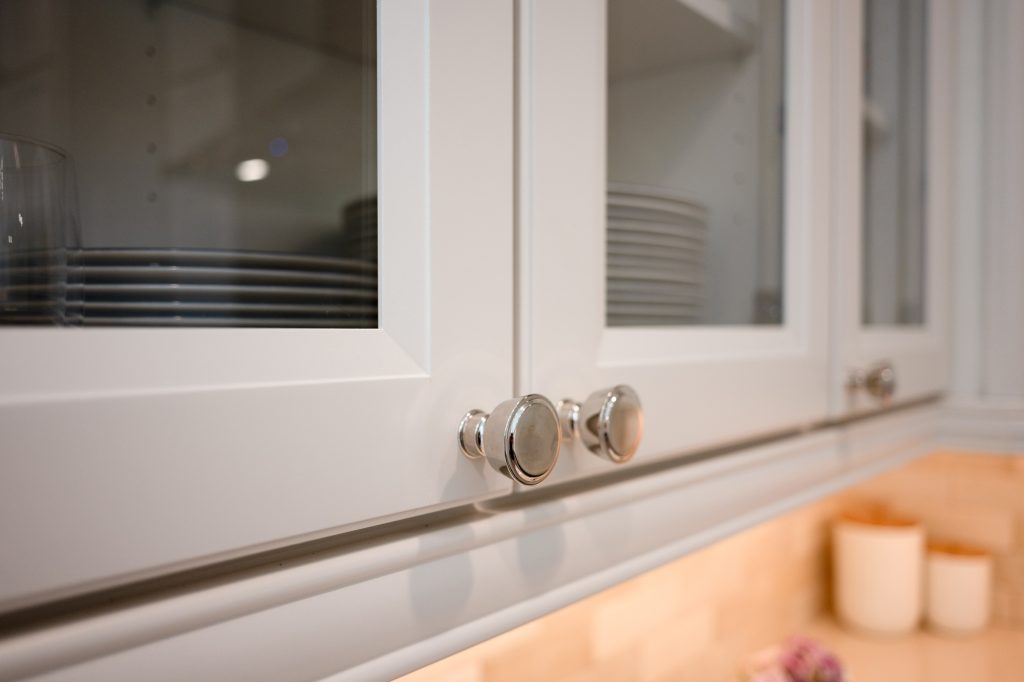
point(609, 423)
point(881, 381)
point(520, 438)
point(878, 381)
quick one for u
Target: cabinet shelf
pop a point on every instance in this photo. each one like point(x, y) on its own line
point(656, 36)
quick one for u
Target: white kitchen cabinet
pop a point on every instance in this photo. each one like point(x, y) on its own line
point(131, 451)
point(894, 199)
point(572, 196)
point(722, 108)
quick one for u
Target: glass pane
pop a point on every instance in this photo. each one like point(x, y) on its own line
point(895, 71)
point(188, 163)
point(695, 162)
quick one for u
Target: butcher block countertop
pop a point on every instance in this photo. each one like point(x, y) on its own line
point(995, 655)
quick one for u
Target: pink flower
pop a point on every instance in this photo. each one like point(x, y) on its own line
point(805, 660)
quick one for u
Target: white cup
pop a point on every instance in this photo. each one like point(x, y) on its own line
point(959, 589)
point(878, 567)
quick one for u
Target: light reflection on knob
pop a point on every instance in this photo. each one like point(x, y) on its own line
point(609, 423)
point(520, 438)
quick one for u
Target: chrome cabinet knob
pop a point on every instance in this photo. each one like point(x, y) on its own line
point(609, 423)
point(878, 381)
point(520, 438)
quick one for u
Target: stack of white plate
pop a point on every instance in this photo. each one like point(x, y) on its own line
point(656, 244)
point(196, 288)
point(359, 239)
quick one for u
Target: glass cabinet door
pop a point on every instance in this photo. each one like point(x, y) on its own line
point(892, 200)
point(675, 194)
point(217, 164)
point(894, 171)
point(237, 237)
point(695, 164)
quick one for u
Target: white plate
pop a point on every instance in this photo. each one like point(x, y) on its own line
point(662, 305)
point(690, 297)
point(681, 316)
point(687, 232)
point(617, 274)
point(648, 215)
point(667, 303)
point(658, 298)
point(647, 321)
point(218, 257)
point(658, 198)
point(653, 308)
point(648, 291)
point(658, 262)
point(689, 246)
point(232, 292)
point(30, 306)
point(648, 271)
point(640, 211)
point(36, 258)
point(619, 248)
point(35, 320)
point(193, 321)
point(631, 286)
point(641, 216)
point(665, 279)
point(112, 274)
point(695, 228)
point(111, 308)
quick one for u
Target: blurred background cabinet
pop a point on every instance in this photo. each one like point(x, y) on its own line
point(895, 197)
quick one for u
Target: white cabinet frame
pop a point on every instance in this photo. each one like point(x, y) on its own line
point(134, 451)
point(699, 386)
point(918, 353)
point(481, 577)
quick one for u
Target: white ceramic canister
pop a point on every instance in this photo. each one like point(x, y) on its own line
point(959, 588)
point(878, 563)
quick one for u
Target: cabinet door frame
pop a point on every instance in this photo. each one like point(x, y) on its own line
point(919, 354)
point(700, 386)
point(130, 452)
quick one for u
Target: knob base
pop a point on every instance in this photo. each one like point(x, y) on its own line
point(569, 418)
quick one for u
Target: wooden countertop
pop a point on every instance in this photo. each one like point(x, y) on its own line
point(996, 655)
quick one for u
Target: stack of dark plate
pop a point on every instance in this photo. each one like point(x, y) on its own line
point(359, 232)
point(192, 288)
point(32, 286)
point(656, 245)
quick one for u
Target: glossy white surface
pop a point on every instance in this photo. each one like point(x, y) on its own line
point(387, 608)
point(131, 450)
